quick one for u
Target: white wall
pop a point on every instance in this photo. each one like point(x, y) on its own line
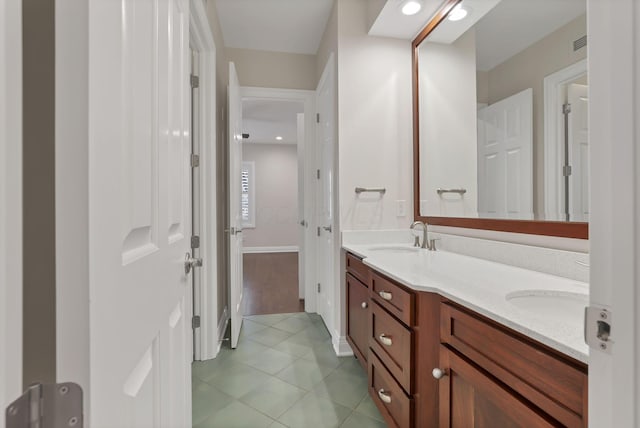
point(448, 123)
point(375, 123)
point(276, 195)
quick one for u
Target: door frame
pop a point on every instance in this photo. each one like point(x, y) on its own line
point(614, 60)
point(207, 337)
point(554, 95)
point(306, 248)
point(10, 202)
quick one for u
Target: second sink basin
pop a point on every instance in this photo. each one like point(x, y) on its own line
point(395, 249)
point(565, 307)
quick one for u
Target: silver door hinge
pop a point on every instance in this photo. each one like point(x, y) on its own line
point(195, 81)
point(318, 287)
point(318, 231)
point(47, 406)
point(195, 241)
point(598, 324)
point(317, 117)
point(566, 108)
point(195, 160)
point(195, 322)
point(566, 170)
point(318, 174)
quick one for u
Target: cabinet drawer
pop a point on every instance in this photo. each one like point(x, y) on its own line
point(357, 268)
point(396, 407)
point(393, 298)
point(557, 386)
point(393, 344)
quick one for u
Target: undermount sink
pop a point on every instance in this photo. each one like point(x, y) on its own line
point(395, 249)
point(553, 305)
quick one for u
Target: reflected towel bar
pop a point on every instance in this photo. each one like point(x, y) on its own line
point(459, 191)
point(381, 190)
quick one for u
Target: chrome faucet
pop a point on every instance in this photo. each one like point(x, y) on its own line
point(429, 244)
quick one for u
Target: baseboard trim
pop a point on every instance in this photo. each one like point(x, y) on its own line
point(281, 249)
point(222, 327)
point(341, 346)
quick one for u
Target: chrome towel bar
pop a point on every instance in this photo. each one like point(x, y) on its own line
point(381, 190)
point(458, 191)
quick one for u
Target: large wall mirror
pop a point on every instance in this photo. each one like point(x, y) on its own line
point(500, 117)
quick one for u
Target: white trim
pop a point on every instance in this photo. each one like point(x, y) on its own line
point(280, 249)
point(341, 346)
point(222, 328)
point(614, 228)
point(202, 41)
point(306, 179)
point(554, 96)
point(10, 202)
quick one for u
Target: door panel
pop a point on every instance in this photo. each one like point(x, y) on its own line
point(505, 158)
point(324, 192)
point(10, 203)
point(579, 152)
point(140, 214)
point(235, 206)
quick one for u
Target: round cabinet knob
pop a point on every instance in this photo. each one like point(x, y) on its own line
point(364, 305)
point(438, 373)
point(384, 396)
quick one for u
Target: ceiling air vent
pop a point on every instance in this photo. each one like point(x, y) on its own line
point(580, 43)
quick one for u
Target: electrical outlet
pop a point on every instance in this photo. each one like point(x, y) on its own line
point(401, 208)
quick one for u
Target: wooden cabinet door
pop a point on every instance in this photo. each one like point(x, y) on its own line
point(469, 398)
point(357, 317)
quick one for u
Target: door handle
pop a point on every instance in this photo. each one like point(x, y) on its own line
point(233, 231)
point(327, 228)
point(191, 262)
point(304, 223)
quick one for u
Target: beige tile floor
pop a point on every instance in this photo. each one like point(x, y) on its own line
point(284, 373)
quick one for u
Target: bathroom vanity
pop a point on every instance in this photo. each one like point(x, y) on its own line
point(447, 344)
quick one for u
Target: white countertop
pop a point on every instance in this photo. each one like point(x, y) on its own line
point(482, 286)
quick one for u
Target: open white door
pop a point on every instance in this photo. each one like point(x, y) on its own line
point(578, 98)
point(125, 332)
point(324, 194)
point(303, 224)
point(236, 291)
point(505, 158)
point(10, 203)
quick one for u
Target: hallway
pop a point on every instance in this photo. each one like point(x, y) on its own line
point(271, 283)
point(284, 373)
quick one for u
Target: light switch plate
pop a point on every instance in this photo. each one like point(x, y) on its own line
point(401, 208)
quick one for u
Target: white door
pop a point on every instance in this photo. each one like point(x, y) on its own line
point(303, 225)
point(10, 203)
point(196, 201)
point(579, 152)
point(324, 194)
point(505, 158)
point(235, 206)
point(139, 214)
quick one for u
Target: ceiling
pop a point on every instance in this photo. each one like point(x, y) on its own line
point(294, 26)
point(264, 120)
point(392, 23)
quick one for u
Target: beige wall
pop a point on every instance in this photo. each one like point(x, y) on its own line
point(276, 195)
point(528, 69)
point(222, 79)
point(328, 44)
point(375, 123)
point(274, 69)
point(39, 272)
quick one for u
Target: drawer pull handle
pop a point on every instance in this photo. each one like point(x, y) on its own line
point(384, 396)
point(364, 305)
point(385, 340)
point(385, 295)
point(438, 373)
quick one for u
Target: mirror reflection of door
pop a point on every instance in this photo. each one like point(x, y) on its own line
point(578, 153)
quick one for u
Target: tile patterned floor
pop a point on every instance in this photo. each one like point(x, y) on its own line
point(284, 373)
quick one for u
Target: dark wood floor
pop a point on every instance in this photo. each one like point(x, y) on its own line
point(271, 283)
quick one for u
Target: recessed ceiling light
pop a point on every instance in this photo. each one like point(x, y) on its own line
point(279, 138)
point(411, 7)
point(457, 13)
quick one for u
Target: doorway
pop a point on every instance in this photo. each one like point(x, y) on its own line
point(272, 204)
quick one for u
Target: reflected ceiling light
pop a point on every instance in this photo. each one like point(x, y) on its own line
point(279, 138)
point(457, 13)
point(411, 7)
